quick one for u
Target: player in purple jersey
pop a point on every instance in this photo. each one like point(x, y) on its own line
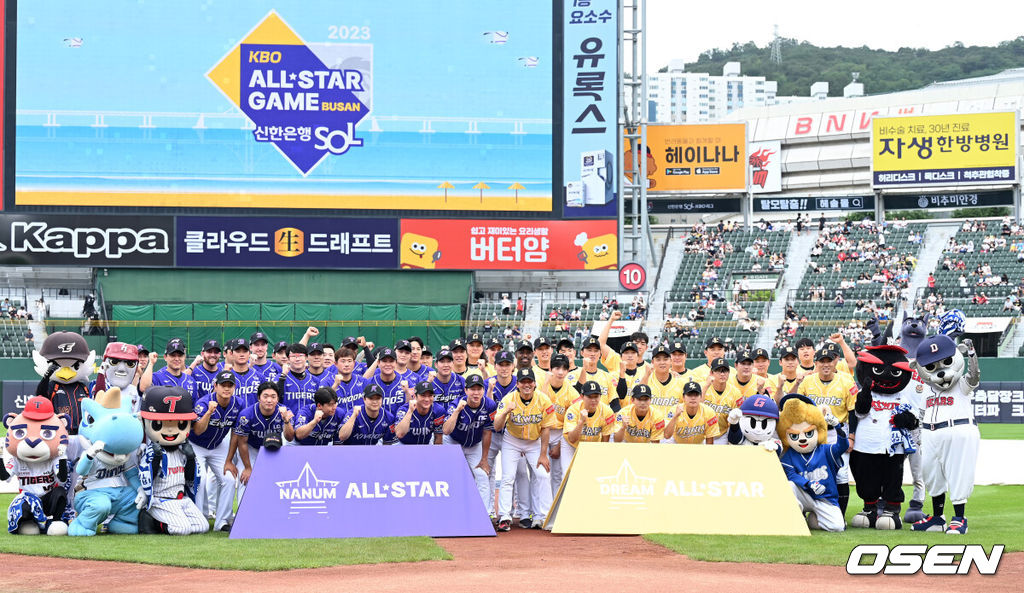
point(416, 364)
point(317, 364)
point(419, 421)
point(502, 384)
point(205, 367)
point(427, 357)
point(267, 417)
point(448, 387)
point(281, 354)
point(217, 414)
point(297, 385)
point(403, 355)
point(247, 378)
point(469, 424)
point(348, 385)
point(356, 346)
point(318, 422)
point(172, 375)
point(329, 367)
point(370, 423)
point(268, 369)
point(396, 390)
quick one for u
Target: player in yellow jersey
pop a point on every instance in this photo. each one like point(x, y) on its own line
point(721, 397)
point(633, 360)
point(805, 352)
point(562, 394)
point(524, 360)
point(788, 380)
point(677, 349)
point(693, 422)
point(628, 377)
point(543, 351)
point(590, 372)
point(745, 381)
point(639, 422)
point(586, 421)
point(763, 360)
point(526, 417)
point(714, 348)
point(666, 387)
point(494, 346)
point(567, 348)
point(838, 391)
point(474, 350)
point(460, 361)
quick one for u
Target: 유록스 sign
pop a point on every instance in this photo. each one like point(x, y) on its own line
point(509, 244)
point(999, 401)
point(267, 242)
point(696, 158)
point(765, 162)
point(1002, 197)
point(930, 150)
point(815, 204)
point(99, 241)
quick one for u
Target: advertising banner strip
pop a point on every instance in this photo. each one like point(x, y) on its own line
point(271, 242)
point(634, 488)
point(508, 245)
point(696, 158)
point(949, 200)
point(692, 205)
point(999, 401)
point(361, 491)
point(765, 162)
point(967, 148)
point(808, 204)
point(101, 241)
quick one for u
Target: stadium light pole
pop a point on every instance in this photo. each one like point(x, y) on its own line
point(636, 241)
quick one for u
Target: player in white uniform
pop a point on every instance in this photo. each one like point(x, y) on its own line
point(949, 432)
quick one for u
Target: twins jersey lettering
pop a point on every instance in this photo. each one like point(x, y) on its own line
point(470, 427)
point(165, 378)
point(527, 418)
point(600, 424)
point(246, 385)
point(298, 390)
point(269, 371)
point(324, 432)
point(370, 431)
point(422, 428)
point(649, 429)
point(839, 394)
point(450, 391)
point(693, 430)
point(203, 378)
point(394, 392)
point(255, 426)
point(222, 421)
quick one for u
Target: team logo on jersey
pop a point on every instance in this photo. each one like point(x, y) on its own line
point(307, 494)
point(625, 488)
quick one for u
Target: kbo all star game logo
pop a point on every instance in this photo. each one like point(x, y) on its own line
point(305, 108)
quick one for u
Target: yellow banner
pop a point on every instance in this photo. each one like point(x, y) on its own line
point(936, 149)
point(696, 158)
point(633, 488)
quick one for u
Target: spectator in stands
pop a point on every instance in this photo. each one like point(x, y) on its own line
point(520, 307)
point(506, 305)
point(30, 337)
point(839, 300)
point(980, 299)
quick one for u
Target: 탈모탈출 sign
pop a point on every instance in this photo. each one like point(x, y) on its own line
point(361, 491)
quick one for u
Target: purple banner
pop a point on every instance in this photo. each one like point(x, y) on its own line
point(321, 492)
point(270, 242)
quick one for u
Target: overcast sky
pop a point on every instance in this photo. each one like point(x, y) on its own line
point(685, 28)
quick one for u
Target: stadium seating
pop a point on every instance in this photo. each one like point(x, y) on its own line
point(12, 339)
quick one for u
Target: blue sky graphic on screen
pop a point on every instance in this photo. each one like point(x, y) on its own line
point(343, 104)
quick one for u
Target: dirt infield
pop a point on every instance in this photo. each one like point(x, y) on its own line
point(523, 561)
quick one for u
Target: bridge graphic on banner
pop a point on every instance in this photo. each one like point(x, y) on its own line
point(307, 493)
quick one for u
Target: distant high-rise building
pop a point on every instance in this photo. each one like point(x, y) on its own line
point(693, 97)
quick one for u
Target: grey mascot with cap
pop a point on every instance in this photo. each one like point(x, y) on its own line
point(949, 432)
point(168, 472)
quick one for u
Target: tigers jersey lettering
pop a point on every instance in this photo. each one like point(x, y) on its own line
point(694, 430)
point(526, 419)
point(839, 394)
point(722, 403)
point(651, 428)
point(601, 423)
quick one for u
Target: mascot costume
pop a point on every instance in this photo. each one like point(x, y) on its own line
point(950, 436)
point(118, 370)
point(35, 451)
point(912, 332)
point(885, 415)
point(753, 423)
point(167, 465)
point(65, 362)
point(109, 437)
point(810, 463)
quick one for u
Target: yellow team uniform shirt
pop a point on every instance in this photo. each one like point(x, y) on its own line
point(787, 385)
point(748, 390)
point(563, 397)
point(605, 380)
point(613, 361)
point(650, 429)
point(840, 394)
point(472, 370)
point(842, 367)
point(666, 396)
point(685, 375)
point(722, 403)
point(700, 374)
point(601, 423)
point(693, 430)
point(540, 374)
point(525, 420)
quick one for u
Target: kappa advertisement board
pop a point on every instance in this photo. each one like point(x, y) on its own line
point(102, 241)
point(299, 104)
point(967, 148)
point(695, 158)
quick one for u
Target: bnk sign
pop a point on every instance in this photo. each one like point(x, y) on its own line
point(932, 560)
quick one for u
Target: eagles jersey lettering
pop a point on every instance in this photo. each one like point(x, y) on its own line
point(600, 424)
point(693, 430)
point(526, 419)
point(649, 429)
point(446, 393)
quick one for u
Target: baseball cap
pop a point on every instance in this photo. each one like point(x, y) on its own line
point(761, 353)
point(716, 341)
point(404, 345)
point(211, 345)
point(787, 351)
point(590, 342)
point(565, 342)
point(373, 390)
point(934, 349)
point(760, 405)
point(316, 347)
point(678, 346)
point(661, 349)
point(239, 343)
point(691, 387)
point(541, 341)
point(641, 390)
point(823, 353)
point(426, 351)
point(457, 343)
point(525, 345)
point(259, 337)
point(166, 403)
point(280, 346)
point(386, 353)
point(272, 441)
point(491, 343)
point(225, 377)
point(175, 345)
point(719, 363)
point(745, 356)
point(40, 408)
point(121, 351)
point(424, 387)
point(474, 337)
point(559, 360)
point(445, 354)
point(591, 388)
point(804, 343)
point(628, 346)
point(349, 341)
point(474, 381)
point(504, 356)
point(142, 349)
point(526, 375)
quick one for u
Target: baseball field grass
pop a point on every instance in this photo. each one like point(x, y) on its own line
point(1002, 431)
point(994, 517)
